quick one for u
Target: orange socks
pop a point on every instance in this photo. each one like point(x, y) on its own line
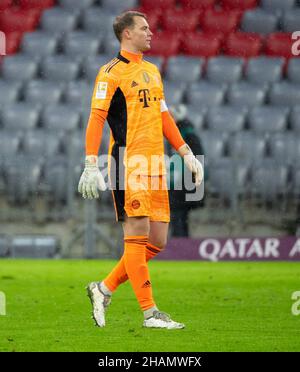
point(119, 275)
point(133, 265)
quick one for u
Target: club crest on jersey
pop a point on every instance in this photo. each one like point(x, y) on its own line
point(101, 90)
point(146, 77)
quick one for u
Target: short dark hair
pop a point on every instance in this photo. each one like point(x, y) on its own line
point(125, 20)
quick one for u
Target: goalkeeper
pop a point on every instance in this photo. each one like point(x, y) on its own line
point(129, 94)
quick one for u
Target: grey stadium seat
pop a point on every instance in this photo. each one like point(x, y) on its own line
point(197, 117)
point(82, 43)
point(76, 4)
point(60, 68)
point(226, 119)
point(9, 91)
point(60, 117)
point(96, 20)
point(47, 92)
point(59, 20)
point(285, 148)
point(285, 93)
point(295, 119)
point(19, 67)
point(158, 61)
point(244, 94)
point(268, 119)
point(39, 43)
point(21, 116)
point(264, 69)
point(277, 4)
point(55, 178)
point(173, 92)
point(296, 182)
point(259, 21)
point(111, 45)
point(214, 145)
point(186, 69)
point(92, 65)
point(79, 93)
point(205, 94)
point(4, 245)
point(224, 69)
point(293, 70)
point(290, 20)
point(41, 143)
point(10, 141)
point(29, 246)
point(117, 6)
point(247, 146)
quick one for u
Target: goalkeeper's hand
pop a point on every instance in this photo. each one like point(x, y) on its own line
point(91, 179)
point(192, 163)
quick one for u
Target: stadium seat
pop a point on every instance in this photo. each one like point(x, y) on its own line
point(224, 69)
point(39, 43)
point(9, 91)
point(4, 243)
point(259, 21)
point(76, 4)
point(244, 94)
point(82, 43)
point(10, 141)
point(156, 60)
point(238, 4)
point(59, 20)
point(46, 92)
point(284, 148)
point(186, 69)
point(202, 44)
point(295, 119)
point(20, 116)
point(290, 20)
point(18, 20)
point(36, 4)
point(224, 21)
point(117, 6)
point(284, 94)
point(19, 67)
point(92, 65)
point(178, 20)
point(162, 4)
point(247, 146)
point(165, 44)
point(111, 46)
point(41, 143)
point(196, 4)
point(30, 246)
point(264, 69)
point(226, 119)
point(79, 93)
point(271, 5)
point(55, 179)
point(214, 144)
point(173, 92)
point(243, 44)
point(61, 118)
point(293, 70)
point(279, 44)
point(13, 40)
point(265, 119)
point(153, 17)
point(197, 117)
point(5, 4)
point(60, 68)
point(295, 184)
point(205, 94)
point(94, 19)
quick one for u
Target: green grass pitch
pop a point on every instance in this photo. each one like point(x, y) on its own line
point(227, 306)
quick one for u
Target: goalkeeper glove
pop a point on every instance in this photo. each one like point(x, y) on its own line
point(91, 179)
point(192, 163)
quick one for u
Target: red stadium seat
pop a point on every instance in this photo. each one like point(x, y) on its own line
point(36, 4)
point(161, 4)
point(202, 44)
point(197, 4)
point(239, 4)
point(243, 44)
point(19, 20)
point(165, 44)
point(181, 20)
point(220, 20)
point(5, 4)
point(153, 17)
point(279, 44)
point(13, 41)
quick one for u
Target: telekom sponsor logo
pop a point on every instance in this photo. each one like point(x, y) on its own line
point(233, 249)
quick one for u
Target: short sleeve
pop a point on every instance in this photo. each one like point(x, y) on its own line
point(105, 86)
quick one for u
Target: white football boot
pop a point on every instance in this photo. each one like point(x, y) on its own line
point(161, 320)
point(99, 301)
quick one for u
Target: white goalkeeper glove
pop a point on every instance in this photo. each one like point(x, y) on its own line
point(91, 179)
point(192, 163)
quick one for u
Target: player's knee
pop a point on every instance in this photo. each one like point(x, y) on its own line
point(159, 242)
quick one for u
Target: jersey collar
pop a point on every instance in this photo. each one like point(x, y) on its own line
point(131, 57)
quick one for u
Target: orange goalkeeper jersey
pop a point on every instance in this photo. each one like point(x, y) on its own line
point(130, 90)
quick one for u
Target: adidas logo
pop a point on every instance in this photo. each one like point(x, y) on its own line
point(134, 84)
point(146, 284)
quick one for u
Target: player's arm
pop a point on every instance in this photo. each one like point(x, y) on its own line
point(91, 179)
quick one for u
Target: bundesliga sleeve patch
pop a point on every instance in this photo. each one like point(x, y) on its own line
point(101, 90)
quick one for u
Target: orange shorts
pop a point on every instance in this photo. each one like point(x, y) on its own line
point(146, 197)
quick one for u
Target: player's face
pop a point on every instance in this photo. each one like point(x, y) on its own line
point(141, 34)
